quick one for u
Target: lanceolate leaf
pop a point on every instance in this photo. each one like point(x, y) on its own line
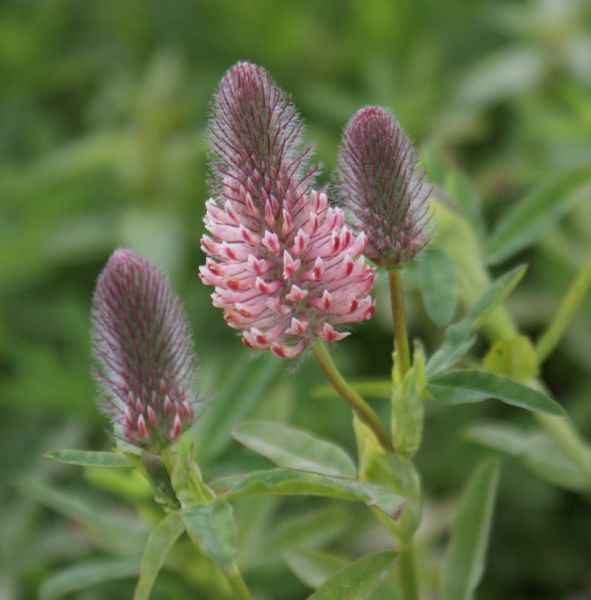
point(212, 528)
point(358, 580)
point(460, 336)
point(295, 449)
point(284, 482)
point(535, 449)
point(530, 218)
point(469, 535)
point(313, 567)
point(472, 385)
point(160, 541)
point(109, 460)
point(437, 278)
point(114, 528)
point(82, 576)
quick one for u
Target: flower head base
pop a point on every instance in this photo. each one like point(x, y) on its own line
point(145, 358)
point(285, 267)
point(379, 180)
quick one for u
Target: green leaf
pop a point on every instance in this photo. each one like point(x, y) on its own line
point(125, 530)
point(456, 236)
point(470, 531)
point(530, 218)
point(437, 278)
point(494, 296)
point(514, 357)
point(536, 450)
point(212, 528)
point(407, 409)
point(109, 460)
point(313, 567)
point(160, 541)
point(571, 301)
point(248, 381)
point(502, 75)
point(83, 575)
point(295, 449)
point(358, 580)
point(472, 385)
point(460, 336)
point(284, 482)
point(312, 529)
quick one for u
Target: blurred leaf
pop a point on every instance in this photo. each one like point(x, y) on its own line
point(131, 485)
point(295, 449)
point(438, 286)
point(459, 337)
point(248, 380)
point(470, 531)
point(459, 240)
point(505, 74)
point(358, 580)
point(536, 450)
point(472, 385)
point(535, 214)
point(160, 541)
point(310, 529)
point(82, 576)
point(514, 357)
point(465, 198)
point(572, 300)
point(313, 567)
point(283, 482)
point(213, 530)
point(123, 530)
point(84, 458)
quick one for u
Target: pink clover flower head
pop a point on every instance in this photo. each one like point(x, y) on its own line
point(144, 352)
point(286, 269)
point(379, 180)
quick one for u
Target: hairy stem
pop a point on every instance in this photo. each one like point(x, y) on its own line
point(400, 336)
point(236, 583)
point(407, 571)
point(361, 408)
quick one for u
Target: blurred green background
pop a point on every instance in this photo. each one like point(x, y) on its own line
point(103, 110)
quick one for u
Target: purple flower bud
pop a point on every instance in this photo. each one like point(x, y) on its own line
point(286, 269)
point(379, 180)
point(144, 352)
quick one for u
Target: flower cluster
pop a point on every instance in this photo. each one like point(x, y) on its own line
point(144, 352)
point(285, 267)
point(379, 180)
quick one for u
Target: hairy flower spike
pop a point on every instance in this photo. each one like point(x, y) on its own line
point(144, 352)
point(285, 267)
point(379, 180)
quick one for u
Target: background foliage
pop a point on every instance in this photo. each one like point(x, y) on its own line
point(103, 107)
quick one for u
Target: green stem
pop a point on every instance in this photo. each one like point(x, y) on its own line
point(570, 303)
point(236, 583)
point(360, 407)
point(400, 335)
point(407, 571)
